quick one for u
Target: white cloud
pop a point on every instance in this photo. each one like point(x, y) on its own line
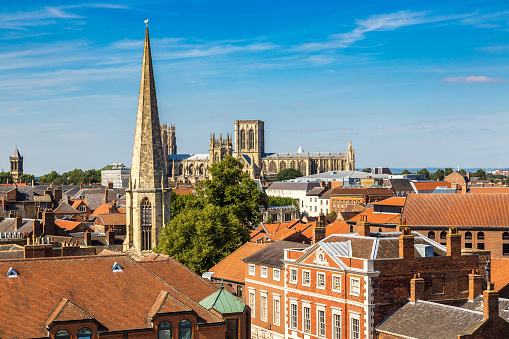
point(473, 78)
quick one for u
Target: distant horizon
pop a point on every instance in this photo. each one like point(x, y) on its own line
point(407, 82)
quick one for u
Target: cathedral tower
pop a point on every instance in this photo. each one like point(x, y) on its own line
point(172, 140)
point(350, 157)
point(16, 164)
point(249, 139)
point(148, 198)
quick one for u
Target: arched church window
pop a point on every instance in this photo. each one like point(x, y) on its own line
point(146, 225)
point(251, 139)
point(282, 165)
point(272, 167)
point(242, 139)
point(190, 169)
point(292, 164)
point(302, 167)
point(181, 169)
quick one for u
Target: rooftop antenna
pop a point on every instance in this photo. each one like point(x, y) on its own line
point(146, 22)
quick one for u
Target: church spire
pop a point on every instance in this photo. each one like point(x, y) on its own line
point(148, 162)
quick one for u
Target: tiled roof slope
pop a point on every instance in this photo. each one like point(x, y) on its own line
point(232, 267)
point(273, 254)
point(430, 185)
point(117, 300)
point(491, 190)
point(477, 305)
point(115, 219)
point(482, 210)
point(67, 311)
point(377, 218)
point(428, 320)
point(179, 276)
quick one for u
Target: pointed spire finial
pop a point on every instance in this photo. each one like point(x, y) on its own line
point(146, 22)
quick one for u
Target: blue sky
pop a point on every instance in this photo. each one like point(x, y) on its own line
point(411, 83)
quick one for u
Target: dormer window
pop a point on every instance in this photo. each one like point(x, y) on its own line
point(164, 330)
point(185, 329)
point(62, 334)
point(85, 333)
point(116, 267)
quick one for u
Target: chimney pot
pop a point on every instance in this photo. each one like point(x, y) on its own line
point(406, 244)
point(87, 238)
point(18, 222)
point(416, 288)
point(490, 302)
point(454, 243)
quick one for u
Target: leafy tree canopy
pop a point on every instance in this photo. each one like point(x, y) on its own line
point(287, 174)
point(425, 172)
point(367, 170)
point(406, 172)
point(180, 202)
point(448, 171)
point(480, 173)
point(26, 178)
point(4, 176)
point(282, 201)
point(76, 176)
point(439, 175)
point(462, 171)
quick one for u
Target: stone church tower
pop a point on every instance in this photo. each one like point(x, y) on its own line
point(249, 139)
point(16, 165)
point(350, 157)
point(148, 198)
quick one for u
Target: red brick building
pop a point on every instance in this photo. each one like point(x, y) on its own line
point(344, 285)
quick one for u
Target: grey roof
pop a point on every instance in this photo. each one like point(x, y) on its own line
point(317, 191)
point(424, 319)
point(295, 155)
point(477, 305)
point(273, 254)
point(188, 157)
point(25, 193)
point(401, 185)
point(64, 207)
point(8, 225)
point(16, 153)
point(339, 176)
point(296, 186)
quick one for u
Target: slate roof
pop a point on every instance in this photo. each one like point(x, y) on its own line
point(9, 225)
point(477, 305)
point(64, 208)
point(295, 186)
point(401, 185)
point(317, 191)
point(273, 254)
point(232, 267)
point(293, 155)
point(474, 210)
point(428, 320)
point(117, 300)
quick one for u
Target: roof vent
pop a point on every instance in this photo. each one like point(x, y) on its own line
point(116, 267)
point(12, 273)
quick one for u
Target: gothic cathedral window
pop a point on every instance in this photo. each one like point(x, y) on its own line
point(146, 225)
point(251, 140)
point(242, 139)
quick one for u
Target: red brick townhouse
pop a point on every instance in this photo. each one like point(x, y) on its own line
point(346, 284)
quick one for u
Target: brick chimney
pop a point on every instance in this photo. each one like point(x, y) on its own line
point(319, 233)
point(37, 229)
point(113, 208)
point(57, 194)
point(106, 195)
point(406, 243)
point(81, 186)
point(474, 285)
point(4, 203)
point(363, 227)
point(87, 238)
point(48, 222)
point(18, 222)
point(454, 243)
point(110, 236)
point(416, 288)
point(490, 302)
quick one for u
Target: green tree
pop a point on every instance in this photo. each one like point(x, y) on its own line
point(425, 172)
point(480, 173)
point(287, 174)
point(406, 172)
point(448, 171)
point(438, 175)
point(462, 171)
point(26, 178)
point(282, 201)
point(180, 202)
point(231, 188)
point(200, 238)
point(50, 177)
point(331, 214)
point(4, 176)
point(367, 170)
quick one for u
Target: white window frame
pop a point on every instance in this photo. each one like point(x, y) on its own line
point(318, 327)
point(252, 269)
point(336, 335)
point(294, 281)
point(306, 321)
point(318, 275)
point(264, 271)
point(83, 208)
point(294, 306)
point(274, 271)
point(252, 302)
point(304, 283)
point(334, 277)
point(263, 306)
point(276, 311)
point(357, 318)
point(352, 292)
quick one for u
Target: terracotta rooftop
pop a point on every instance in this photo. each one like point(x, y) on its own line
point(393, 201)
point(377, 218)
point(482, 210)
point(182, 191)
point(113, 219)
point(492, 190)
point(117, 300)
point(67, 225)
point(430, 185)
point(232, 267)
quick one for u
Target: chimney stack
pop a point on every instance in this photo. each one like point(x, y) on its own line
point(81, 186)
point(319, 233)
point(363, 227)
point(490, 302)
point(18, 222)
point(106, 195)
point(48, 222)
point(57, 194)
point(406, 243)
point(4, 203)
point(416, 288)
point(474, 285)
point(87, 238)
point(37, 229)
point(454, 243)
point(110, 236)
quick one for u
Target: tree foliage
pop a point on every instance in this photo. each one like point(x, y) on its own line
point(367, 170)
point(200, 238)
point(439, 175)
point(480, 173)
point(406, 172)
point(448, 171)
point(207, 228)
point(4, 176)
point(287, 174)
point(76, 176)
point(282, 201)
point(26, 178)
point(425, 172)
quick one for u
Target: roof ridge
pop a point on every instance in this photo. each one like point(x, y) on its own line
point(446, 306)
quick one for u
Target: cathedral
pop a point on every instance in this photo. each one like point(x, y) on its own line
point(248, 146)
point(148, 198)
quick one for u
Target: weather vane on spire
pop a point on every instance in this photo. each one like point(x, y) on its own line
point(146, 22)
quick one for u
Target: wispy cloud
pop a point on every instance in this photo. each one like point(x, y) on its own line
point(491, 20)
point(473, 78)
point(376, 23)
point(499, 49)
